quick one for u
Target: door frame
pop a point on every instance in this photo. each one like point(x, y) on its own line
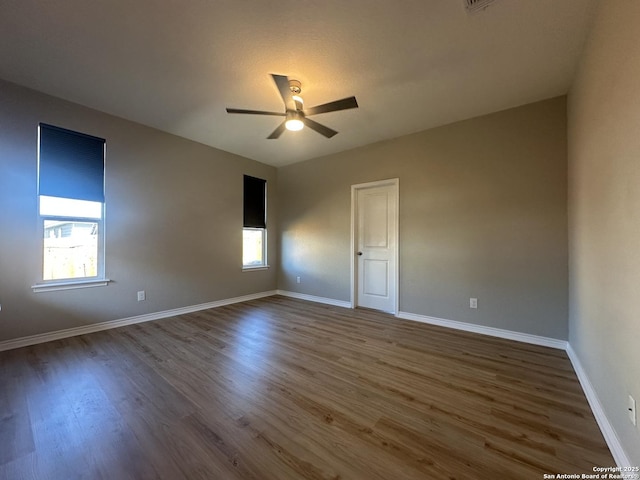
point(391, 182)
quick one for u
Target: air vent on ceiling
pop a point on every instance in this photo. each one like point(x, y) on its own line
point(474, 6)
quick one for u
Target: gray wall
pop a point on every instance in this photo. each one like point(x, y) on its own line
point(173, 223)
point(604, 213)
point(482, 214)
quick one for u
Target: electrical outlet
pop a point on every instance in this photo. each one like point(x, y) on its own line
point(142, 296)
point(297, 279)
point(473, 303)
point(632, 409)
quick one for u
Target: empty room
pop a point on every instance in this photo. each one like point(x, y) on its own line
point(319, 240)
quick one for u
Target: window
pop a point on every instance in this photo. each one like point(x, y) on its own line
point(254, 233)
point(71, 205)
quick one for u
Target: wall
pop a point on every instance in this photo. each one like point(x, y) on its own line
point(482, 214)
point(604, 214)
point(173, 222)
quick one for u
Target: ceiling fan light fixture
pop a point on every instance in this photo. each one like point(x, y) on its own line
point(294, 125)
point(294, 122)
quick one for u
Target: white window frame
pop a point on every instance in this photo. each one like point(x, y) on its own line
point(264, 265)
point(78, 282)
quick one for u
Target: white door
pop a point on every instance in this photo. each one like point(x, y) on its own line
point(376, 244)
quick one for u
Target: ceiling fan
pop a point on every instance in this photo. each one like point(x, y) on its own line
point(295, 114)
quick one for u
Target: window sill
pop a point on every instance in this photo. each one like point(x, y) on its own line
point(253, 269)
point(70, 285)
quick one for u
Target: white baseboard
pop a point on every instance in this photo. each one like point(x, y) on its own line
point(610, 436)
point(313, 298)
point(469, 327)
point(96, 327)
point(494, 332)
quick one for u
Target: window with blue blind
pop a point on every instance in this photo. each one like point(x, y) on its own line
point(71, 205)
point(254, 232)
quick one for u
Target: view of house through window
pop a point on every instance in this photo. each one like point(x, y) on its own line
point(70, 242)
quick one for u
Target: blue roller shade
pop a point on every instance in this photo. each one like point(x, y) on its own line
point(71, 164)
point(255, 202)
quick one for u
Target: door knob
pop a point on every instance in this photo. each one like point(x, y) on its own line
point(359, 254)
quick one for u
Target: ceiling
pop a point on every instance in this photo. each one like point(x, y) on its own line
point(175, 65)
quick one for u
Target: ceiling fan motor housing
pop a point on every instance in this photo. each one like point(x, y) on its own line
point(295, 86)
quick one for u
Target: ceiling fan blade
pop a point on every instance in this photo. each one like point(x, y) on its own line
point(277, 132)
point(321, 129)
point(254, 112)
point(282, 82)
point(344, 104)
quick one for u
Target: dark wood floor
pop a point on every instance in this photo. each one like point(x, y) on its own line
point(284, 389)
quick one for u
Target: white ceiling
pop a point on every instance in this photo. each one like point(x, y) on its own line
point(175, 64)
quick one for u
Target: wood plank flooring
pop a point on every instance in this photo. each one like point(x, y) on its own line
point(282, 389)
